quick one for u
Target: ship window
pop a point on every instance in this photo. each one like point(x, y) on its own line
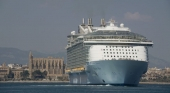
point(104, 55)
point(117, 52)
point(136, 56)
point(116, 49)
point(113, 52)
point(122, 46)
point(120, 52)
point(126, 53)
point(110, 49)
point(116, 46)
point(132, 49)
point(119, 49)
point(135, 49)
point(123, 52)
point(130, 56)
point(127, 56)
point(104, 52)
point(113, 49)
point(103, 49)
point(122, 49)
point(106, 46)
point(129, 52)
point(111, 56)
point(123, 56)
point(110, 46)
point(126, 49)
point(107, 55)
point(133, 56)
point(107, 49)
point(107, 52)
point(117, 56)
point(114, 56)
point(132, 53)
point(129, 49)
point(110, 52)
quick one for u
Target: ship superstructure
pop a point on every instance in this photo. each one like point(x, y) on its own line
point(108, 54)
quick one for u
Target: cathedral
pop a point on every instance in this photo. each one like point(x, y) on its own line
point(54, 66)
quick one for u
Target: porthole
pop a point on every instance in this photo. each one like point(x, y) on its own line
point(110, 49)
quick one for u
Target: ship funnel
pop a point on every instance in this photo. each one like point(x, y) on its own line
point(88, 21)
point(102, 23)
point(83, 22)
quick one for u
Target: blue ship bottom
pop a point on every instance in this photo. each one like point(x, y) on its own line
point(116, 72)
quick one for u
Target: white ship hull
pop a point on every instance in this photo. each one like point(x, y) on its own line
point(116, 72)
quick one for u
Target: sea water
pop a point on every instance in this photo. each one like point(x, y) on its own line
point(67, 88)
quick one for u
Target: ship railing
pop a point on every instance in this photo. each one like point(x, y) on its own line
point(118, 40)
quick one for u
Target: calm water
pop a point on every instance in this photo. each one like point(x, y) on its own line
point(66, 88)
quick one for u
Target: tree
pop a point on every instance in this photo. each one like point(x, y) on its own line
point(37, 74)
point(44, 74)
point(11, 74)
point(25, 74)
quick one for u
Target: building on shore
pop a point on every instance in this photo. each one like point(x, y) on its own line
point(54, 67)
point(156, 73)
point(17, 73)
point(4, 70)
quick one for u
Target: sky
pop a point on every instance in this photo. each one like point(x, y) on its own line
point(43, 25)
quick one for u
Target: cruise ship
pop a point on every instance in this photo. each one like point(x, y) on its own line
point(107, 54)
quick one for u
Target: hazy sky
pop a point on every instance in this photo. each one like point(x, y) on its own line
point(43, 25)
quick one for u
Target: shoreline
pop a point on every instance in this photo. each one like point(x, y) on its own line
point(154, 82)
point(34, 81)
point(68, 82)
